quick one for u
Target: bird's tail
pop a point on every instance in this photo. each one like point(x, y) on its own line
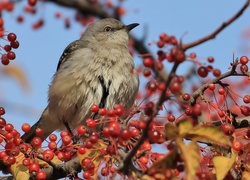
point(45, 123)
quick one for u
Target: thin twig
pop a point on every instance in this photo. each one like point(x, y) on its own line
point(128, 159)
point(201, 90)
point(218, 30)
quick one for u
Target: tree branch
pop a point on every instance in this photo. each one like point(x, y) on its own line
point(218, 30)
point(201, 90)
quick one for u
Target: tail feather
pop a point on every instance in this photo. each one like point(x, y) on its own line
point(46, 123)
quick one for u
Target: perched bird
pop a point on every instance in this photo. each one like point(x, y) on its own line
point(96, 69)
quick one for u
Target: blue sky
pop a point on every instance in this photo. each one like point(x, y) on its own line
point(40, 50)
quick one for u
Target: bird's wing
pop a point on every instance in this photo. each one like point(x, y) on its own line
point(71, 48)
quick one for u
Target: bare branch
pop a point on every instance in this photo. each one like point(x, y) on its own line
point(218, 30)
point(201, 90)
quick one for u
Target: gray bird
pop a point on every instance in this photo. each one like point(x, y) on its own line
point(96, 69)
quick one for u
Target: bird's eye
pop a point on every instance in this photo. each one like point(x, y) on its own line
point(107, 29)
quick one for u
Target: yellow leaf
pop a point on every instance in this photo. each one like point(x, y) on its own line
point(208, 133)
point(94, 155)
point(17, 74)
point(245, 175)
point(18, 170)
point(222, 165)
point(184, 127)
point(168, 161)
point(171, 131)
point(191, 156)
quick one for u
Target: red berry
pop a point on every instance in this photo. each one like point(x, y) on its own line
point(66, 140)
point(9, 127)
point(185, 97)
point(32, 2)
point(159, 66)
point(114, 129)
point(26, 161)
point(81, 130)
point(41, 175)
point(149, 108)
point(221, 91)
point(2, 122)
point(2, 111)
point(152, 86)
point(210, 59)
point(26, 127)
point(14, 44)
point(216, 72)
point(171, 118)
point(105, 171)
point(39, 132)
point(147, 72)
point(211, 87)
point(175, 87)
point(11, 55)
point(94, 108)
point(86, 175)
point(7, 48)
point(52, 137)
point(64, 133)
point(1, 22)
point(93, 139)
point(3, 154)
point(90, 123)
point(125, 134)
point(154, 136)
point(237, 146)
point(85, 161)
point(52, 145)
point(245, 110)
point(148, 62)
point(48, 155)
point(34, 167)
point(244, 60)
point(36, 142)
point(244, 68)
point(192, 55)
point(11, 37)
point(202, 71)
point(227, 128)
point(24, 147)
point(160, 44)
point(246, 99)
point(81, 150)
point(102, 111)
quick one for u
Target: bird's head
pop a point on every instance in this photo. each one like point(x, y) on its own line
point(108, 30)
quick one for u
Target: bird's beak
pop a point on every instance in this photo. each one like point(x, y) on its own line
point(131, 26)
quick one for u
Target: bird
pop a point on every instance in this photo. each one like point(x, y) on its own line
point(96, 69)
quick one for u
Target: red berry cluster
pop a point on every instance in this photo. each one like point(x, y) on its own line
point(9, 54)
point(243, 64)
point(7, 5)
point(203, 71)
point(13, 146)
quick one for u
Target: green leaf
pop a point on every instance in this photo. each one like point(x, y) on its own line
point(208, 133)
point(222, 165)
point(191, 156)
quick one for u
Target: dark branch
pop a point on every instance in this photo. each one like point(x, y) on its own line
point(218, 30)
point(200, 91)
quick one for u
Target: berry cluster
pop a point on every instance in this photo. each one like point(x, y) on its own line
point(9, 54)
